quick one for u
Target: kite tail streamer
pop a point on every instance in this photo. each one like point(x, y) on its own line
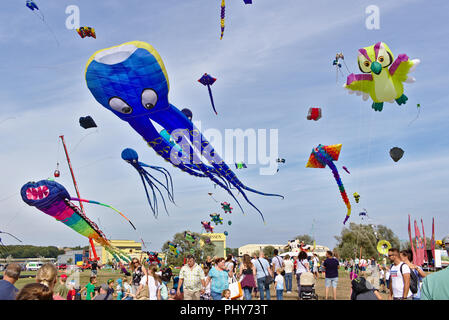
point(341, 188)
point(211, 99)
point(222, 18)
point(104, 205)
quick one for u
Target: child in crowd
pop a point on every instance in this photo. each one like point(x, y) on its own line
point(119, 289)
point(128, 289)
point(164, 290)
point(206, 295)
point(279, 281)
point(72, 292)
point(90, 288)
point(352, 274)
point(382, 279)
point(226, 294)
point(172, 294)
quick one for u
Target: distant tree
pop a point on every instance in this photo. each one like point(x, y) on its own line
point(363, 236)
point(27, 251)
point(406, 244)
point(305, 238)
point(268, 251)
point(233, 251)
point(186, 247)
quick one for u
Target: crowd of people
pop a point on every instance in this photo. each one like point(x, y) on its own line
point(215, 279)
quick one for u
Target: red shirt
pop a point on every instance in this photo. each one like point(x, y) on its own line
point(71, 294)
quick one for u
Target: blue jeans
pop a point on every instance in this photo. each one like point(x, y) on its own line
point(288, 281)
point(247, 293)
point(262, 287)
point(279, 293)
point(216, 295)
point(298, 281)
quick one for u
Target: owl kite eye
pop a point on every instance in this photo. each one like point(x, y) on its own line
point(366, 63)
point(381, 59)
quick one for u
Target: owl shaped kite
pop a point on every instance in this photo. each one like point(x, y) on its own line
point(382, 77)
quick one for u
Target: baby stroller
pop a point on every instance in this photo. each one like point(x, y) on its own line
point(307, 283)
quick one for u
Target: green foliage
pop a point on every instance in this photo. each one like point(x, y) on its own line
point(28, 251)
point(268, 251)
point(305, 238)
point(69, 261)
point(365, 236)
point(406, 245)
point(186, 247)
point(233, 251)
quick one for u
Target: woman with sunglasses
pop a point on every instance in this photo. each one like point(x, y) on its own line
point(138, 271)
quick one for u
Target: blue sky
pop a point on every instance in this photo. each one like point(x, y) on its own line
point(274, 62)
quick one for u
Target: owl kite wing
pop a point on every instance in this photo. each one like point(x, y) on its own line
point(402, 66)
point(361, 84)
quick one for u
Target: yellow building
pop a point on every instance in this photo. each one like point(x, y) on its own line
point(132, 248)
point(219, 240)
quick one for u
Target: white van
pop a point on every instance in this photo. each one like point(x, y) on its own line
point(33, 266)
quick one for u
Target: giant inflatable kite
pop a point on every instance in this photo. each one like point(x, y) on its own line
point(131, 156)
point(131, 81)
point(326, 155)
point(382, 77)
point(53, 199)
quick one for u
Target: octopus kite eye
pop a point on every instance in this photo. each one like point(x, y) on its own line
point(119, 105)
point(149, 98)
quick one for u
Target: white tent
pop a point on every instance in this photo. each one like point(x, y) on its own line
point(293, 254)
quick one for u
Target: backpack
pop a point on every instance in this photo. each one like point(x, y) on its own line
point(413, 280)
point(358, 287)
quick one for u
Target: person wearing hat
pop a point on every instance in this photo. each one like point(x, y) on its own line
point(103, 295)
point(172, 294)
point(436, 285)
point(61, 289)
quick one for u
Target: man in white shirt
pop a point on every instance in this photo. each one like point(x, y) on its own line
point(277, 262)
point(399, 277)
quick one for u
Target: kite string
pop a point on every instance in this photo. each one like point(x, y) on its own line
point(81, 140)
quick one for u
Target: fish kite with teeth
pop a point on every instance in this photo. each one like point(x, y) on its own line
point(53, 199)
point(382, 77)
point(326, 155)
point(131, 81)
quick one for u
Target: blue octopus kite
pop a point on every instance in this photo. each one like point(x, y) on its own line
point(131, 81)
point(131, 156)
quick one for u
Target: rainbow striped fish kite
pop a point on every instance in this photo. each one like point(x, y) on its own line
point(53, 199)
point(326, 155)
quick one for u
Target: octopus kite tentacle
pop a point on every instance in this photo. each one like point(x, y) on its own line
point(131, 156)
